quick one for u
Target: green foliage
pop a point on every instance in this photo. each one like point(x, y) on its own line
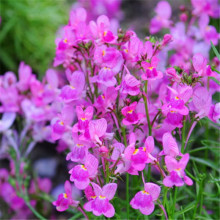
point(28, 32)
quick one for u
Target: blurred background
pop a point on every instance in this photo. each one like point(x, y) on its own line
point(28, 28)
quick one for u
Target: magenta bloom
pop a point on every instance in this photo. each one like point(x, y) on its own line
point(108, 57)
point(170, 146)
point(97, 129)
point(25, 74)
point(84, 116)
point(105, 77)
point(200, 65)
point(7, 120)
point(73, 91)
point(81, 174)
point(178, 100)
point(144, 200)
point(101, 30)
point(100, 204)
point(176, 169)
point(161, 20)
point(151, 73)
point(106, 100)
point(130, 85)
point(131, 117)
point(65, 199)
point(78, 153)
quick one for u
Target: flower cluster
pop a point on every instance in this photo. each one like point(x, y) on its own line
point(119, 108)
point(120, 89)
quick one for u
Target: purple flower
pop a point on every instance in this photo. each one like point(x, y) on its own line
point(151, 73)
point(65, 199)
point(73, 91)
point(100, 204)
point(144, 200)
point(7, 120)
point(81, 174)
point(161, 20)
point(176, 169)
point(170, 146)
point(131, 117)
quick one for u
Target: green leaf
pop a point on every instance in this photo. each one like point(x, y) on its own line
point(215, 51)
point(208, 163)
point(214, 79)
point(203, 148)
point(187, 208)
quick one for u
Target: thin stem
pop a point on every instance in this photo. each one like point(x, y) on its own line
point(127, 194)
point(174, 201)
point(124, 136)
point(148, 172)
point(146, 109)
point(81, 210)
point(189, 133)
point(25, 196)
point(127, 176)
point(183, 134)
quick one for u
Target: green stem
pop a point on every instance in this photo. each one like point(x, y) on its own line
point(148, 172)
point(174, 201)
point(183, 134)
point(127, 176)
point(165, 199)
point(146, 109)
point(25, 196)
point(127, 194)
point(124, 136)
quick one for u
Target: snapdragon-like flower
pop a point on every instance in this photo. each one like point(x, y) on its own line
point(144, 200)
point(73, 91)
point(162, 18)
point(65, 199)
point(176, 171)
point(81, 174)
point(99, 204)
point(131, 117)
point(170, 147)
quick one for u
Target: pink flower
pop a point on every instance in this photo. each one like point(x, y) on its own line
point(73, 91)
point(78, 153)
point(108, 57)
point(176, 169)
point(10, 197)
point(25, 74)
point(173, 75)
point(65, 199)
point(81, 174)
point(106, 100)
point(170, 146)
point(214, 113)
point(149, 148)
point(105, 77)
point(202, 101)
point(151, 73)
point(84, 116)
point(161, 20)
point(144, 200)
point(7, 120)
point(62, 123)
point(101, 30)
point(131, 117)
point(209, 7)
point(100, 204)
point(97, 129)
point(130, 85)
point(177, 100)
point(200, 65)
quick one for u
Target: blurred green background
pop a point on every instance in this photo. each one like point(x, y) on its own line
point(28, 31)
